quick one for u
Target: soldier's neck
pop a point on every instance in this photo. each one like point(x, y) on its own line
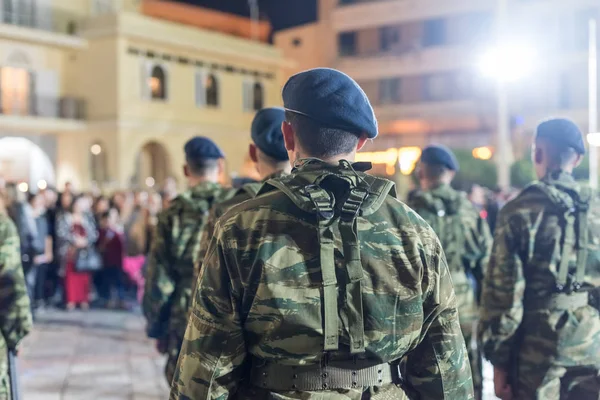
point(335, 160)
point(428, 185)
point(194, 181)
point(265, 170)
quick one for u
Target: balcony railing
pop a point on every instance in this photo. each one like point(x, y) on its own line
point(47, 19)
point(45, 107)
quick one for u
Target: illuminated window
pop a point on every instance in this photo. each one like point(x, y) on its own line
point(158, 83)
point(253, 96)
point(258, 94)
point(212, 91)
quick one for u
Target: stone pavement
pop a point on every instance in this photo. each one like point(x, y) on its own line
point(90, 355)
point(100, 355)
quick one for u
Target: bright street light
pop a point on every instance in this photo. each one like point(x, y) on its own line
point(508, 62)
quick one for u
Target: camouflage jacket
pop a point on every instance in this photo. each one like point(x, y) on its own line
point(523, 270)
point(171, 261)
point(15, 314)
point(465, 236)
point(261, 292)
point(246, 192)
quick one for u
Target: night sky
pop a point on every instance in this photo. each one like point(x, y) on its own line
point(282, 13)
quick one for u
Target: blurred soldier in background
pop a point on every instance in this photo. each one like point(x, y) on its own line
point(170, 272)
point(465, 238)
point(15, 313)
point(320, 285)
point(540, 326)
point(271, 159)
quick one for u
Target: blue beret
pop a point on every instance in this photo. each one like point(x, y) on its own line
point(439, 155)
point(331, 98)
point(563, 132)
point(202, 147)
point(266, 132)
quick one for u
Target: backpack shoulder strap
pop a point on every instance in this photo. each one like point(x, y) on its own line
point(582, 205)
point(378, 190)
point(251, 189)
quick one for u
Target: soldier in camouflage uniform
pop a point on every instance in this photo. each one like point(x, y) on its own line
point(316, 288)
point(15, 314)
point(465, 238)
point(540, 301)
point(169, 279)
point(271, 159)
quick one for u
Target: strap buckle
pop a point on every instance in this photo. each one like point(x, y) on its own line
point(321, 200)
point(351, 207)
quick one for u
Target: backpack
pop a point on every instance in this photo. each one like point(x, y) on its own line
point(573, 212)
point(337, 196)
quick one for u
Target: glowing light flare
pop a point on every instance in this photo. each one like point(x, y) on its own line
point(405, 157)
point(150, 181)
point(42, 184)
point(593, 139)
point(23, 187)
point(408, 158)
point(482, 153)
point(508, 62)
point(96, 149)
point(388, 157)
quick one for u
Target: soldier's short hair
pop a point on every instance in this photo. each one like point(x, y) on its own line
point(202, 166)
point(559, 156)
point(318, 140)
point(433, 171)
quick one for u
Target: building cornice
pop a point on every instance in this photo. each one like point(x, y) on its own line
point(41, 36)
point(134, 26)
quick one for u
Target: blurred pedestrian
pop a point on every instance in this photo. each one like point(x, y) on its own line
point(75, 232)
point(15, 315)
point(111, 246)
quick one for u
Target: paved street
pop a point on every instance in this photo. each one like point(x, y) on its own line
point(94, 355)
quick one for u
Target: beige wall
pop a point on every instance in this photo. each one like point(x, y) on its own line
point(307, 54)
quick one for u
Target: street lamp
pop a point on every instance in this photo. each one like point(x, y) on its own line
point(506, 63)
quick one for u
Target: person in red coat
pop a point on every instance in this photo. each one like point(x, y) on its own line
point(111, 246)
point(75, 230)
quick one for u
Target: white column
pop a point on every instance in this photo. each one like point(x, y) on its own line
point(504, 157)
point(593, 101)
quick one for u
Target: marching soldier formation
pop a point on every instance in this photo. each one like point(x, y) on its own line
point(317, 283)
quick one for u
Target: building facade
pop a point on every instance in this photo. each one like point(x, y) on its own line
point(417, 62)
point(107, 92)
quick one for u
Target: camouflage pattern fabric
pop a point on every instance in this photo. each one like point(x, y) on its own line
point(260, 296)
point(170, 269)
point(467, 243)
point(15, 314)
point(552, 353)
point(246, 192)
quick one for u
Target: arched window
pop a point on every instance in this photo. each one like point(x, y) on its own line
point(212, 91)
point(258, 96)
point(158, 83)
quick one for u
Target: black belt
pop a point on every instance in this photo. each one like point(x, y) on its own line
point(334, 375)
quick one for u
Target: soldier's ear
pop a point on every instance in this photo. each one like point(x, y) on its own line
point(361, 142)
point(538, 155)
point(288, 136)
point(252, 153)
point(578, 160)
point(186, 171)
